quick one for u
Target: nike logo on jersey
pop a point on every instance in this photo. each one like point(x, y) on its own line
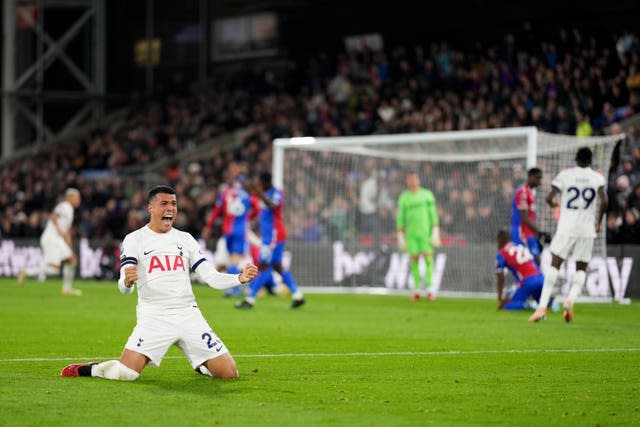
point(148, 252)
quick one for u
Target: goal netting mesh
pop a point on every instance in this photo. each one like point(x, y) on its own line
point(341, 198)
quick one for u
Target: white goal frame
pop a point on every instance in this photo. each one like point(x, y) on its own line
point(282, 144)
point(539, 146)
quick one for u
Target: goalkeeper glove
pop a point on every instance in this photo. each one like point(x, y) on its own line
point(435, 237)
point(402, 241)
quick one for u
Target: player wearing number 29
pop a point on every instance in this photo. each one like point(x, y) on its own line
point(159, 259)
point(579, 223)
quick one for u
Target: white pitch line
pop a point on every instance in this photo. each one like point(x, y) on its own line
point(360, 354)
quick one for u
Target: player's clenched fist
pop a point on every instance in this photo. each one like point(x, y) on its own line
point(248, 272)
point(130, 276)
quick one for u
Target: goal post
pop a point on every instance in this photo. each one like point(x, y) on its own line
point(338, 143)
point(342, 236)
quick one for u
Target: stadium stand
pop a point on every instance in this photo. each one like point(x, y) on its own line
point(570, 82)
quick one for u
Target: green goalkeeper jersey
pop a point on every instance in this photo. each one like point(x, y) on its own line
point(417, 212)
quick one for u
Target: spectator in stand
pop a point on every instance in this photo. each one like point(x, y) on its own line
point(530, 77)
point(583, 127)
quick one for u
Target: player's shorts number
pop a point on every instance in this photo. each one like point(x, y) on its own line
point(211, 342)
point(588, 195)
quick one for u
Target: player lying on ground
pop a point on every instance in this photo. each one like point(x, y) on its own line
point(159, 258)
point(518, 259)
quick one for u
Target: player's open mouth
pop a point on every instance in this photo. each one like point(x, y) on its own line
point(167, 218)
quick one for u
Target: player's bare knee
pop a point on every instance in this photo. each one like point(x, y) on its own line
point(224, 369)
point(230, 373)
point(227, 370)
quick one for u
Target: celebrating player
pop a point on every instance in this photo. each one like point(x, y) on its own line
point(523, 214)
point(273, 235)
point(57, 246)
point(577, 227)
point(418, 231)
point(519, 261)
point(159, 259)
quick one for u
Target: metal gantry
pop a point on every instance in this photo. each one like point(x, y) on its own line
point(30, 50)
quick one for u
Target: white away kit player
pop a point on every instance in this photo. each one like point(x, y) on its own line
point(159, 259)
point(57, 247)
point(579, 223)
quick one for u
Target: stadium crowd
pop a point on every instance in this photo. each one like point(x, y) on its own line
point(569, 82)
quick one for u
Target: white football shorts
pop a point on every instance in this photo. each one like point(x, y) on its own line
point(55, 249)
point(580, 247)
point(187, 329)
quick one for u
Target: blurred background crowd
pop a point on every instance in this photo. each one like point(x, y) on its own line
point(571, 81)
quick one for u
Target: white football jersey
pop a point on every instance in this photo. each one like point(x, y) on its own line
point(64, 211)
point(164, 262)
point(579, 201)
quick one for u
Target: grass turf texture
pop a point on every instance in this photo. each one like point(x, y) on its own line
point(339, 360)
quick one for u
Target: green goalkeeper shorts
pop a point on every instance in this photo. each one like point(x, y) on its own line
point(419, 244)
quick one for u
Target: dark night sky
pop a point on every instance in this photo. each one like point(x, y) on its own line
point(307, 26)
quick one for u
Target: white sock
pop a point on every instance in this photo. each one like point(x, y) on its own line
point(68, 273)
point(204, 371)
point(33, 271)
point(576, 287)
point(51, 270)
point(42, 272)
point(297, 295)
point(550, 278)
point(114, 370)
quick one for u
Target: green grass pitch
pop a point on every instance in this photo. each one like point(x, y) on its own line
point(341, 360)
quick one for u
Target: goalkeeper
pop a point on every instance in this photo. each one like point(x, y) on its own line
point(418, 231)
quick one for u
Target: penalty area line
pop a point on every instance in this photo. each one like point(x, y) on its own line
point(359, 354)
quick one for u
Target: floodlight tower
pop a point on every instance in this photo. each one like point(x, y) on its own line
point(29, 50)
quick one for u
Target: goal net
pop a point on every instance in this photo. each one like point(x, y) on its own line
point(341, 198)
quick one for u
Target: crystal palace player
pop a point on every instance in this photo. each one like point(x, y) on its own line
point(523, 214)
point(517, 259)
point(159, 259)
point(273, 235)
point(236, 207)
point(577, 229)
point(418, 230)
